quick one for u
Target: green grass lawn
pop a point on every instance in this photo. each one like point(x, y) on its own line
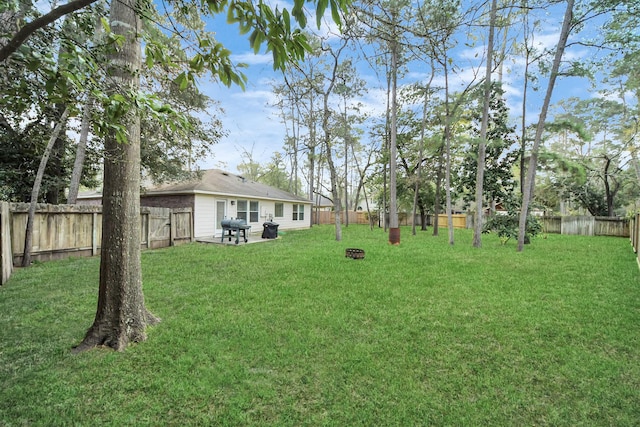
point(290, 332)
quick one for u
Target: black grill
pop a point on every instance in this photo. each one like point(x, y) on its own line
point(270, 230)
point(234, 227)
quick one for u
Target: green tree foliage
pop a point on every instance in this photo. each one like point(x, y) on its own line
point(587, 163)
point(174, 134)
point(171, 154)
point(273, 172)
point(121, 316)
point(506, 226)
point(501, 155)
point(45, 74)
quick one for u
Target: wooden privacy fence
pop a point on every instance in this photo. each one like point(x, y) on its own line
point(586, 225)
point(571, 225)
point(328, 217)
point(404, 218)
point(459, 221)
point(358, 217)
point(60, 231)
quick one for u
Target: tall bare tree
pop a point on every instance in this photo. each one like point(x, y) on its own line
point(394, 229)
point(328, 133)
point(81, 149)
point(533, 160)
point(477, 223)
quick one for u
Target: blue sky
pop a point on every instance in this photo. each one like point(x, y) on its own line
point(254, 127)
point(251, 124)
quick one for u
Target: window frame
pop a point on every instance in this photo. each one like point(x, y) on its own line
point(254, 214)
point(244, 212)
point(298, 212)
point(279, 205)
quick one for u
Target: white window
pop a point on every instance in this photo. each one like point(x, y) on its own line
point(298, 212)
point(253, 211)
point(279, 211)
point(242, 210)
point(248, 210)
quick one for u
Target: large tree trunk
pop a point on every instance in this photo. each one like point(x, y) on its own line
point(121, 316)
point(533, 160)
point(477, 224)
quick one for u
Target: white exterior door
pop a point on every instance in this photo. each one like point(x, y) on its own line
point(205, 216)
point(221, 213)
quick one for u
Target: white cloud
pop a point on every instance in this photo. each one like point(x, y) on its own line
point(251, 58)
point(251, 123)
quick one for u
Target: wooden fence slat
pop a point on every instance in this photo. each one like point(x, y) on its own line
point(76, 230)
point(6, 253)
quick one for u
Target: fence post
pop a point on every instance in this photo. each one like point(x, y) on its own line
point(6, 255)
point(148, 214)
point(94, 234)
point(636, 232)
point(191, 226)
point(172, 228)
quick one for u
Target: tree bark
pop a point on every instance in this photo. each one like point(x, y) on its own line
point(523, 123)
point(533, 160)
point(346, 166)
point(81, 150)
point(447, 149)
point(477, 224)
point(35, 192)
point(436, 207)
point(423, 126)
point(121, 315)
point(394, 229)
point(326, 113)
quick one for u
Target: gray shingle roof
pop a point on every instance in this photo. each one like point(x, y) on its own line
point(219, 182)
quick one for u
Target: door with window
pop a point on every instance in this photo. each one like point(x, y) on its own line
point(221, 213)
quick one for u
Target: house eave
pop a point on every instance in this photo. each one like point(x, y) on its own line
point(220, 194)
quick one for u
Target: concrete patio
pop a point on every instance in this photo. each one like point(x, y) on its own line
point(251, 238)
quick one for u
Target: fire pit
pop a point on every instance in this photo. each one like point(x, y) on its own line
point(234, 227)
point(354, 253)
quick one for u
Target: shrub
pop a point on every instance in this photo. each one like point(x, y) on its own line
point(506, 226)
point(372, 216)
